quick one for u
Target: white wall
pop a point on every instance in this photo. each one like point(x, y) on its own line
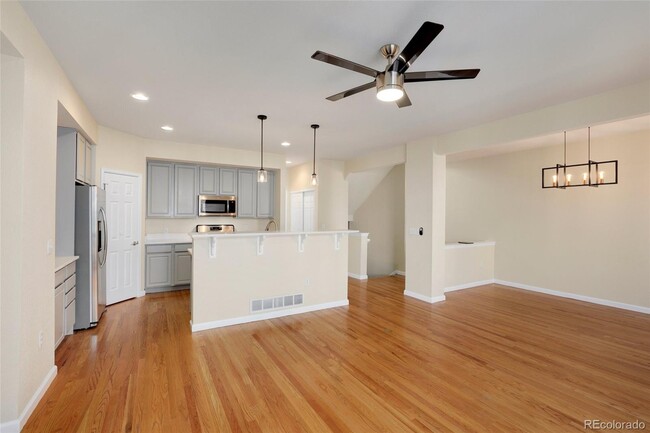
point(30, 270)
point(331, 192)
point(586, 241)
point(382, 215)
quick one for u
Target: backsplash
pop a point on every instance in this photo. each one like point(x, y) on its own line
point(177, 225)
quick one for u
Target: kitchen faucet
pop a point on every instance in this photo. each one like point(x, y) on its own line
point(268, 226)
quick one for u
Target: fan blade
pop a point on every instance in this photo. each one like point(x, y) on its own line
point(352, 91)
point(404, 101)
point(416, 45)
point(347, 64)
point(457, 74)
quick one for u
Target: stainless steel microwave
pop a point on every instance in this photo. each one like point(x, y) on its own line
point(217, 205)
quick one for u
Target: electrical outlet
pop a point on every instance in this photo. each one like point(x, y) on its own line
point(40, 340)
point(49, 248)
point(306, 281)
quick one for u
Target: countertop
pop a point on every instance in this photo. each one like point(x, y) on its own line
point(450, 245)
point(167, 238)
point(61, 262)
point(272, 234)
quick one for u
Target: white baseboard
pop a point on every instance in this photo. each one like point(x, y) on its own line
point(17, 425)
point(430, 300)
point(468, 285)
point(140, 294)
point(396, 272)
point(357, 276)
point(591, 299)
point(268, 315)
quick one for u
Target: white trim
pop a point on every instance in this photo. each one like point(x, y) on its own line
point(140, 294)
point(430, 300)
point(266, 316)
point(357, 276)
point(593, 300)
point(396, 272)
point(468, 285)
point(17, 425)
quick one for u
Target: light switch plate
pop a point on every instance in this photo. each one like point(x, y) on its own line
point(49, 248)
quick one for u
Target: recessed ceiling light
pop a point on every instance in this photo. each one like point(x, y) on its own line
point(288, 162)
point(140, 96)
point(167, 128)
point(285, 143)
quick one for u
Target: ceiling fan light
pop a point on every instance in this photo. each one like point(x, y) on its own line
point(390, 93)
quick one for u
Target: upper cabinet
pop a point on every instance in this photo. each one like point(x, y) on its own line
point(208, 180)
point(185, 190)
point(160, 189)
point(173, 189)
point(85, 156)
point(266, 197)
point(227, 181)
point(246, 199)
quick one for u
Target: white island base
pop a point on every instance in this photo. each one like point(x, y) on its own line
point(246, 277)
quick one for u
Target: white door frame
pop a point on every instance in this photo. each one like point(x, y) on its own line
point(138, 269)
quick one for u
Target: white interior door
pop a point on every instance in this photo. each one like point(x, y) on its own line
point(123, 210)
point(303, 211)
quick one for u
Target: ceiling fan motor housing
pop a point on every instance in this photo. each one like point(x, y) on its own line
point(389, 80)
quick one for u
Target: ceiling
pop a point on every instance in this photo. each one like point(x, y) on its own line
point(619, 127)
point(211, 67)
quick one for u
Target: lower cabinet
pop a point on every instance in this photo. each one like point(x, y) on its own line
point(168, 267)
point(65, 293)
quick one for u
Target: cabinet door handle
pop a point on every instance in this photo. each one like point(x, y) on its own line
point(135, 243)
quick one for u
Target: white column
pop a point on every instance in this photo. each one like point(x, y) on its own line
point(425, 208)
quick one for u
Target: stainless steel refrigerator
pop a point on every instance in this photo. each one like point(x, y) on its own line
point(91, 238)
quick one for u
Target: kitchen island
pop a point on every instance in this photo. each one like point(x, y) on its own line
point(244, 277)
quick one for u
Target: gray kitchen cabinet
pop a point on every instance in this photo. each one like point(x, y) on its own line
point(168, 267)
point(185, 190)
point(65, 282)
point(80, 173)
point(85, 160)
point(160, 189)
point(158, 269)
point(247, 193)
point(59, 326)
point(227, 181)
point(182, 268)
point(266, 197)
point(209, 180)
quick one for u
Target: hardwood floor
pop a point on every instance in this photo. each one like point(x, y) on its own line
point(489, 359)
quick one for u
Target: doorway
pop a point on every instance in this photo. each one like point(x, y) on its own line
point(123, 211)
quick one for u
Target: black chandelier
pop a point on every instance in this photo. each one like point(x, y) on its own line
point(593, 173)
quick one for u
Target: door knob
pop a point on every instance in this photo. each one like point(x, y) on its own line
point(136, 242)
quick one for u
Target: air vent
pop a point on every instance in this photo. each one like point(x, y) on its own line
point(274, 303)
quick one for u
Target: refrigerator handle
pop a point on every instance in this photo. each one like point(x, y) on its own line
point(105, 236)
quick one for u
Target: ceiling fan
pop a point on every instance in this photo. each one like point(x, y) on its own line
point(390, 82)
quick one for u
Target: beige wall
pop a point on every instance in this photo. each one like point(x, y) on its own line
point(424, 206)
point(467, 265)
point(331, 192)
point(33, 169)
point(224, 286)
point(382, 215)
point(586, 241)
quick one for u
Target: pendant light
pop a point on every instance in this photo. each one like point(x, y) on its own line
point(594, 173)
point(262, 175)
point(314, 176)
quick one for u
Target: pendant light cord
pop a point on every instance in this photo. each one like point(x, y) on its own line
point(314, 127)
point(262, 145)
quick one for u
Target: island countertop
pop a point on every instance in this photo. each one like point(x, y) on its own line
point(257, 234)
